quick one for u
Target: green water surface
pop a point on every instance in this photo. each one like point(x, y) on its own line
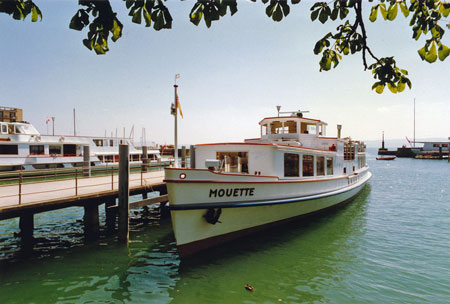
point(389, 245)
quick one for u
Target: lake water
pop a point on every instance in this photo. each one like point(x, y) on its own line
point(389, 245)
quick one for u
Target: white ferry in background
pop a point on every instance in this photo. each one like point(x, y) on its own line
point(233, 189)
point(22, 147)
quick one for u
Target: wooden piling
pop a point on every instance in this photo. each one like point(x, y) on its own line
point(124, 191)
point(144, 158)
point(91, 220)
point(192, 155)
point(86, 161)
point(183, 156)
point(26, 225)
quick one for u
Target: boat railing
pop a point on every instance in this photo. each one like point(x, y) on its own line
point(70, 180)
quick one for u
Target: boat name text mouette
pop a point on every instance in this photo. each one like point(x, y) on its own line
point(232, 192)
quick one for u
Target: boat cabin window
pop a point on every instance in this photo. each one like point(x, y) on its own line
point(291, 165)
point(291, 126)
point(11, 129)
point(53, 149)
point(36, 149)
point(349, 152)
point(4, 128)
point(329, 166)
point(98, 142)
point(307, 128)
point(234, 161)
point(70, 150)
point(308, 165)
point(9, 149)
point(320, 165)
point(276, 127)
point(134, 157)
point(111, 143)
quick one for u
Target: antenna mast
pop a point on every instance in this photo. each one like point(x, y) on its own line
point(414, 142)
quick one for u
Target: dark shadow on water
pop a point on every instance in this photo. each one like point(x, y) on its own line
point(280, 234)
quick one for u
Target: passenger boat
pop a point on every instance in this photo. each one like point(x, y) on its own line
point(23, 147)
point(233, 189)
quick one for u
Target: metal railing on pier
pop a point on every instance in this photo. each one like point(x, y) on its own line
point(105, 177)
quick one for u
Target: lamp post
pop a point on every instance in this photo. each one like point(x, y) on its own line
point(53, 125)
point(278, 109)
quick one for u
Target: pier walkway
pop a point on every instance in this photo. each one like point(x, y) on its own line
point(50, 195)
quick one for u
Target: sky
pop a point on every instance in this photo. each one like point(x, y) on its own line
point(232, 75)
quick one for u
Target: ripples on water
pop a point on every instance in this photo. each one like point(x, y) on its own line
point(389, 245)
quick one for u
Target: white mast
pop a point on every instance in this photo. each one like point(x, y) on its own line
point(414, 142)
point(175, 113)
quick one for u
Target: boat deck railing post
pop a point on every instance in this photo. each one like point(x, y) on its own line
point(183, 156)
point(76, 182)
point(112, 177)
point(20, 187)
point(192, 156)
point(86, 161)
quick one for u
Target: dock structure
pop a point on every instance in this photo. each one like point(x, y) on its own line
point(23, 200)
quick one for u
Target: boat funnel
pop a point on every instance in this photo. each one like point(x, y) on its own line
point(339, 128)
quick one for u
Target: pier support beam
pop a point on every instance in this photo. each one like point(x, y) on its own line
point(144, 158)
point(86, 161)
point(124, 193)
point(26, 225)
point(91, 221)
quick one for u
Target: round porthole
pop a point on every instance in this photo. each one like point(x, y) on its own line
point(182, 175)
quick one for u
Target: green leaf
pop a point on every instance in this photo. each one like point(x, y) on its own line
point(34, 14)
point(137, 17)
point(116, 31)
point(373, 13)
point(392, 12)
point(422, 53)
point(383, 11)
point(404, 9)
point(334, 13)
point(277, 14)
point(444, 51)
point(75, 23)
point(380, 88)
point(392, 87)
point(87, 43)
point(269, 10)
point(444, 8)
point(148, 19)
point(432, 54)
point(314, 14)
point(401, 86)
point(323, 16)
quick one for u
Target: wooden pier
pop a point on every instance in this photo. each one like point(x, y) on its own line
point(24, 199)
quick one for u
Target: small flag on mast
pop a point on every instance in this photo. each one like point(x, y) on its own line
point(178, 106)
point(47, 121)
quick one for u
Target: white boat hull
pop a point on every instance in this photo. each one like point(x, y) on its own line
point(271, 202)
